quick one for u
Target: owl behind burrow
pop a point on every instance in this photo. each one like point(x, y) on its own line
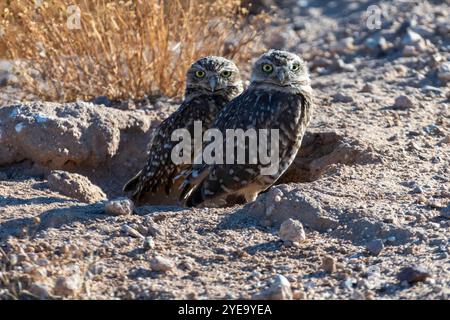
point(279, 97)
point(211, 83)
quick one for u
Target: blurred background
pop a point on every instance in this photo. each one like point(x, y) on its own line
point(63, 50)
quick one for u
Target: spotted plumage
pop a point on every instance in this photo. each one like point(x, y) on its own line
point(211, 83)
point(279, 97)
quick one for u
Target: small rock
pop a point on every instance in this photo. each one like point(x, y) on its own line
point(347, 67)
point(445, 212)
point(131, 231)
point(279, 289)
point(340, 97)
point(358, 295)
point(329, 264)
point(413, 274)
point(375, 247)
point(67, 286)
point(38, 274)
point(41, 291)
point(445, 140)
point(13, 259)
point(376, 44)
point(104, 100)
point(429, 90)
point(368, 88)
point(403, 102)
point(161, 264)
point(119, 207)
point(410, 51)
point(444, 72)
point(411, 38)
point(344, 45)
point(149, 243)
point(291, 231)
point(417, 190)
point(75, 186)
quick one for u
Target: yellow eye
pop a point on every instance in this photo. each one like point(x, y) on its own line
point(226, 74)
point(295, 67)
point(200, 74)
point(267, 68)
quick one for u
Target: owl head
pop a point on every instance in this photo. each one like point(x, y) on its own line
point(213, 75)
point(280, 69)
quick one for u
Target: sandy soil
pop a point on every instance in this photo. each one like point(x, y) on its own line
point(370, 185)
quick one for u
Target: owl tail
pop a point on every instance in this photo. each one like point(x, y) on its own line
point(191, 190)
point(132, 185)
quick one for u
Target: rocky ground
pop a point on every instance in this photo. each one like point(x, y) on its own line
point(363, 213)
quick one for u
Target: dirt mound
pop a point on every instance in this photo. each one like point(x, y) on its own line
point(105, 144)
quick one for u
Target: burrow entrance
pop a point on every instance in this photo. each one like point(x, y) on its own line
point(319, 151)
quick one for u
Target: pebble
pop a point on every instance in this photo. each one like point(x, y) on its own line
point(340, 97)
point(368, 88)
point(149, 243)
point(41, 291)
point(13, 259)
point(444, 72)
point(347, 67)
point(411, 38)
point(413, 274)
point(119, 207)
point(131, 232)
point(279, 289)
point(375, 247)
point(38, 274)
point(161, 264)
point(291, 231)
point(67, 286)
point(376, 44)
point(445, 212)
point(329, 264)
point(403, 102)
point(358, 295)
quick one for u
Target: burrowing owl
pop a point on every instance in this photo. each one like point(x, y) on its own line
point(211, 83)
point(279, 97)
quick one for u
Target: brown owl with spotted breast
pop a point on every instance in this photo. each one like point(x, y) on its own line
point(211, 83)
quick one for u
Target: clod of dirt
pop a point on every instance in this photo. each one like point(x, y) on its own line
point(291, 231)
point(131, 232)
point(119, 207)
point(413, 274)
point(279, 289)
point(403, 103)
point(329, 264)
point(375, 247)
point(75, 186)
point(282, 203)
point(40, 291)
point(68, 286)
point(161, 264)
point(321, 150)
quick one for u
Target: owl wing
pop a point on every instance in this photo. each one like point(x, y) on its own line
point(251, 110)
point(160, 170)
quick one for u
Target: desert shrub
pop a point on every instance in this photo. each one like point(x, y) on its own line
point(68, 50)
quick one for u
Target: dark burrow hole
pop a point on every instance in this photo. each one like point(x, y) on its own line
point(319, 151)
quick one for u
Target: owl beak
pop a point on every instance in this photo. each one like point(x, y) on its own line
point(213, 82)
point(281, 75)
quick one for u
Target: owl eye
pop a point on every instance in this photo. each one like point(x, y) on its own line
point(267, 68)
point(295, 67)
point(200, 74)
point(226, 74)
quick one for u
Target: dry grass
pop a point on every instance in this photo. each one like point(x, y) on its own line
point(122, 49)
